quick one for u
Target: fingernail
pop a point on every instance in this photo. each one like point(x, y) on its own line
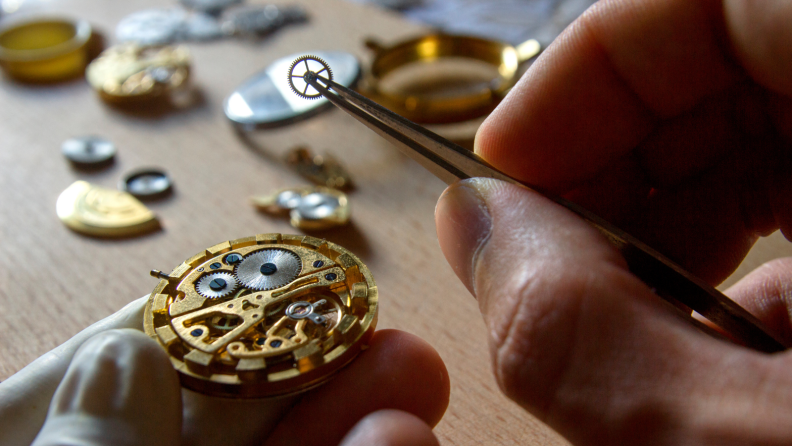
point(464, 225)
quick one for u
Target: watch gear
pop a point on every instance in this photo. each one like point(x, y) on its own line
point(268, 269)
point(216, 285)
point(263, 343)
point(302, 66)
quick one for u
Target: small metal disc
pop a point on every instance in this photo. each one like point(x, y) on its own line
point(88, 150)
point(318, 205)
point(146, 183)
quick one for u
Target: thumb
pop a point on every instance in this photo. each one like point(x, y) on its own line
point(120, 389)
point(574, 337)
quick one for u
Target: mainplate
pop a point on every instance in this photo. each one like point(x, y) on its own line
point(263, 316)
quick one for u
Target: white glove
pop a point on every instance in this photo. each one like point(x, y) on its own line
point(112, 385)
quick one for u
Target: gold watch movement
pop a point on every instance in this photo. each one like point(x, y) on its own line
point(263, 316)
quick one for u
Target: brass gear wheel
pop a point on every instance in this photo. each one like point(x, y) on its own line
point(300, 67)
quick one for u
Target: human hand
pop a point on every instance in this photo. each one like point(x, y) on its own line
point(670, 118)
point(115, 386)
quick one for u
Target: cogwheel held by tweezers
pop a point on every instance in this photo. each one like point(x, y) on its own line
point(300, 67)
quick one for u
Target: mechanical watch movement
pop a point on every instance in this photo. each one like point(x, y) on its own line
point(263, 316)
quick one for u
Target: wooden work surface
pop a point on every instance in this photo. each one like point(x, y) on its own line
point(56, 282)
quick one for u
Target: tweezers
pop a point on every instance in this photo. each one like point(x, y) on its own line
point(451, 162)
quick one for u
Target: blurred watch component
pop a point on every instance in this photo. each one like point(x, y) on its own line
point(130, 72)
point(152, 26)
point(89, 151)
point(171, 25)
point(323, 170)
point(96, 211)
point(146, 183)
point(263, 341)
point(309, 208)
point(45, 50)
point(266, 99)
point(398, 5)
point(200, 27)
point(209, 6)
point(324, 208)
point(254, 21)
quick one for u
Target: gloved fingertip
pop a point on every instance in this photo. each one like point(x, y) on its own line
point(119, 389)
point(464, 225)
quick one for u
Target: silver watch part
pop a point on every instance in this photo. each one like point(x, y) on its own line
point(268, 269)
point(317, 205)
point(216, 285)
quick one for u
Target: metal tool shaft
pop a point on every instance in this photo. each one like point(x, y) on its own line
point(451, 162)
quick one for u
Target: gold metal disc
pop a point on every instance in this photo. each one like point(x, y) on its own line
point(239, 338)
point(96, 211)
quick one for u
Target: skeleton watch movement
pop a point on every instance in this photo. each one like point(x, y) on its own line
point(263, 316)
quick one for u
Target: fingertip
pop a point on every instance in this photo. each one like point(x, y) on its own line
point(417, 364)
point(398, 371)
point(766, 294)
point(391, 428)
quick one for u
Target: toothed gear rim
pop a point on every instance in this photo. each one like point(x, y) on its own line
point(268, 269)
point(301, 66)
point(216, 285)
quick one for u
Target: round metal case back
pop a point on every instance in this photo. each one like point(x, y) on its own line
point(263, 316)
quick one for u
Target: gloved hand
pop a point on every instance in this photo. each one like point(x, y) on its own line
point(112, 385)
point(673, 120)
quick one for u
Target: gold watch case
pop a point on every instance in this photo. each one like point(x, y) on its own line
point(263, 316)
point(445, 108)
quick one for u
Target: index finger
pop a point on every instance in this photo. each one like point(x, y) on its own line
point(603, 85)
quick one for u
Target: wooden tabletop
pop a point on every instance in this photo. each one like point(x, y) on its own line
point(56, 282)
